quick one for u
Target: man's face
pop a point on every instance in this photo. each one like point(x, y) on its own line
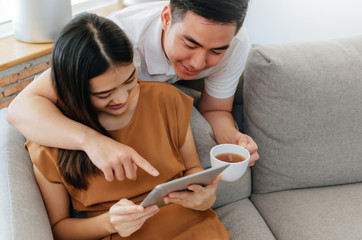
point(194, 44)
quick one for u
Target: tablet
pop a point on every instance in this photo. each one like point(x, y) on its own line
point(201, 178)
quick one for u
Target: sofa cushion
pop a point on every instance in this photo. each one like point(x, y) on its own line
point(23, 215)
point(303, 107)
point(243, 221)
point(333, 213)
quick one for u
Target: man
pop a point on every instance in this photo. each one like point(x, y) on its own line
point(183, 39)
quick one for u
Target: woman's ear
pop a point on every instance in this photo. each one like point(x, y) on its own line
point(166, 17)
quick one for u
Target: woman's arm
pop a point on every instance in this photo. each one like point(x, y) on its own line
point(189, 154)
point(123, 218)
point(57, 204)
point(198, 197)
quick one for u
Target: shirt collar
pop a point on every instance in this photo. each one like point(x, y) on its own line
point(156, 60)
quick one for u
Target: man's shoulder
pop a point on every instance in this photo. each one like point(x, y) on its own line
point(239, 47)
point(137, 13)
point(242, 35)
point(240, 43)
point(135, 20)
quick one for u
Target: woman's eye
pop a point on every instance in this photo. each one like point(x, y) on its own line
point(129, 81)
point(104, 96)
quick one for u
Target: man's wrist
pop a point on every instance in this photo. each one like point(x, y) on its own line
point(87, 137)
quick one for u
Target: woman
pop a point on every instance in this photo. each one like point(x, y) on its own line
point(96, 84)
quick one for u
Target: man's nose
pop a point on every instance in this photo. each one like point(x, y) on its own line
point(199, 60)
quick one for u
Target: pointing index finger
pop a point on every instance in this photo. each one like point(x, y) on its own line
point(144, 164)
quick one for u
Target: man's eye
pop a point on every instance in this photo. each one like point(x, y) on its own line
point(216, 53)
point(188, 46)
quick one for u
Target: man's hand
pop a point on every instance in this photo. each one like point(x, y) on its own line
point(116, 159)
point(248, 143)
point(197, 198)
point(127, 217)
point(218, 113)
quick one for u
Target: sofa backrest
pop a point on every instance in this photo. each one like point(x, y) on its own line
point(303, 107)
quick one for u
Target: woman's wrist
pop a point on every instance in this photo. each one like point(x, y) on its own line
point(107, 223)
point(192, 170)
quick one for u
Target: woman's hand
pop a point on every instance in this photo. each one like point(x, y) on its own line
point(116, 160)
point(127, 217)
point(197, 198)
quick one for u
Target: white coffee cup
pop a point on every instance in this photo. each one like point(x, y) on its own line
point(235, 169)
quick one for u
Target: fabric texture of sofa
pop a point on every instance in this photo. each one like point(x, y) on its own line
point(302, 106)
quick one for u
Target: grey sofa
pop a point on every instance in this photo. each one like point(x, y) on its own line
point(302, 106)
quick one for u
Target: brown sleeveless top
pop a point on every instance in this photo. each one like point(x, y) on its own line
point(156, 131)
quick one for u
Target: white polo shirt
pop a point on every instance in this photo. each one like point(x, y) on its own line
point(142, 24)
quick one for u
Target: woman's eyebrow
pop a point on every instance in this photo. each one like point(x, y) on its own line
point(102, 92)
point(107, 91)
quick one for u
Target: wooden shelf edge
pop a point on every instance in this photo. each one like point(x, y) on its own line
point(13, 52)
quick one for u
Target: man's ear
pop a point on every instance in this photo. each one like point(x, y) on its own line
point(166, 17)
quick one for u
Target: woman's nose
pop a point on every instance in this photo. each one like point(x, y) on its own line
point(120, 96)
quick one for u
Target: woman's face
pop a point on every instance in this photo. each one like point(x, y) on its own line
point(110, 91)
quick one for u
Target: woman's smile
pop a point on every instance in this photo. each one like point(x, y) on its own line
point(117, 106)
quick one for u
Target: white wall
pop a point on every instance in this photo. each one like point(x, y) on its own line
point(281, 21)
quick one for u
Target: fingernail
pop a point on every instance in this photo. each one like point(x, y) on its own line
point(139, 208)
point(155, 173)
point(153, 208)
point(243, 144)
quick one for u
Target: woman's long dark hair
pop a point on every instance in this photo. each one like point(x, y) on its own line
point(86, 47)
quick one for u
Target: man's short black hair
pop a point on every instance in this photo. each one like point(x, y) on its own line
point(219, 11)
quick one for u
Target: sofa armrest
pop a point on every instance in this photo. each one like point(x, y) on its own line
point(22, 211)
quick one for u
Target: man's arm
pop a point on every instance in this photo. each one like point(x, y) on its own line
point(218, 113)
point(34, 113)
